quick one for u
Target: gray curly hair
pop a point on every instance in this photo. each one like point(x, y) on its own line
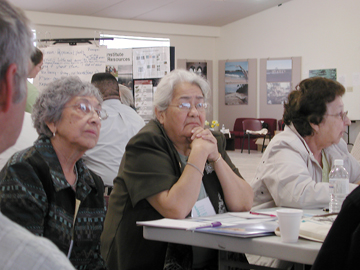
point(52, 100)
point(165, 89)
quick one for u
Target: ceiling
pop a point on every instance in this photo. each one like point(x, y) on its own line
point(194, 12)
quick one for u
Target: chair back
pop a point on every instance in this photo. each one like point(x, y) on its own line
point(252, 124)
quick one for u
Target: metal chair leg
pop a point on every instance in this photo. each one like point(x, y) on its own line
point(242, 145)
point(262, 149)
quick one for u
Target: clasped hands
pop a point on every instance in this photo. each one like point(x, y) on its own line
point(205, 140)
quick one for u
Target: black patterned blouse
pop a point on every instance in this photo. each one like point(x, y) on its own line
point(35, 194)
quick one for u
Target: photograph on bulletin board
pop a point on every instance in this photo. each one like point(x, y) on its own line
point(278, 80)
point(151, 62)
point(143, 98)
point(325, 73)
point(236, 83)
point(200, 68)
point(236, 94)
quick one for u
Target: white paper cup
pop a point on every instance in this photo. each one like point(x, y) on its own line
point(289, 221)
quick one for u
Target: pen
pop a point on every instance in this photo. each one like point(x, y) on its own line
point(326, 209)
point(262, 214)
point(210, 225)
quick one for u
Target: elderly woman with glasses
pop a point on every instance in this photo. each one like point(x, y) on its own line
point(294, 170)
point(172, 168)
point(47, 188)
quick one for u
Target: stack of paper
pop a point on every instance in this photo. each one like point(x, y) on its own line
point(242, 224)
point(316, 228)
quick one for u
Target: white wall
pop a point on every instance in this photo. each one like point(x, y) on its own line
point(325, 33)
point(190, 41)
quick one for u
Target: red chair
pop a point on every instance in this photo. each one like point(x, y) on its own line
point(281, 124)
point(253, 125)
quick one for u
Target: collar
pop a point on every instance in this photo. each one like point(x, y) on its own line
point(85, 181)
point(328, 153)
point(111, 97)
point(293, 129)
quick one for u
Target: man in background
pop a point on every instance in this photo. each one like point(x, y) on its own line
point(19, 249)
point(36, 62)
point(116, 131)
point(126, 96)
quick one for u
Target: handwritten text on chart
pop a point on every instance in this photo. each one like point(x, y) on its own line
point(60, 61)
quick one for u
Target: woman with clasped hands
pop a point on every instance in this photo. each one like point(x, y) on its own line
point(169, 166)
point(47, 188)
point(294, 170)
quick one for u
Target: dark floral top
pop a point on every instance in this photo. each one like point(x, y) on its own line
point(35, 194)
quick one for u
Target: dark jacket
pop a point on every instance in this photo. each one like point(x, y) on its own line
point(35, 194)
point(151, 164)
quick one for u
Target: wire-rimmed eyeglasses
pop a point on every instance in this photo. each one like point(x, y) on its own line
point(87, 108)
point(186, 106)
point(342, 115)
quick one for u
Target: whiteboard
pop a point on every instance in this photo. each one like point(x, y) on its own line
point(62, 61)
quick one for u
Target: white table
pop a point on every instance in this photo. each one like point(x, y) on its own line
point(301, 253)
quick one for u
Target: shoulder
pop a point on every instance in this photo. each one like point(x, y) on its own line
point(23, 156)
point(286, 139)
point(151, 136)
point(38, 250)
point(354, 197)
point(151, 131)
point(130, 112)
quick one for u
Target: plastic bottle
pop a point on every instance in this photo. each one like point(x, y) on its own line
point(338, 185)
point(223, 128)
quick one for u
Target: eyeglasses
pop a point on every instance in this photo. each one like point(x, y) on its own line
point(186, 106)
point(87, 108)
point(342, 115)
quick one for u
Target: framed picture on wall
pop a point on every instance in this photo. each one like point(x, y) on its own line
point(278, 80)
point(278, 76)
point(200, 68)
point(236, 83)
point(203, 68)
point(325, 73)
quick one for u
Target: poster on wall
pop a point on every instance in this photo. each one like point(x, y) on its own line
point(200, 68)
point(236, 83)
point(62, 61)
point(278, 80)
point(151, 62)
point(143, 98)
point(119, 64)
point(325, 73)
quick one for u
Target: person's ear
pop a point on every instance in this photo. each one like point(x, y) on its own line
point(51, 126)
point(7, 88)
point(315, 127)
point(159, 115)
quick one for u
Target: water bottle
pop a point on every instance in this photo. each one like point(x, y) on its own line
point(338, 185)
point(223, 128)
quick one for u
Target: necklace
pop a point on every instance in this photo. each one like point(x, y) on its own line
point(76, 179)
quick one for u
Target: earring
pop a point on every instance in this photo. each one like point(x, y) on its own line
point(54, 133)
